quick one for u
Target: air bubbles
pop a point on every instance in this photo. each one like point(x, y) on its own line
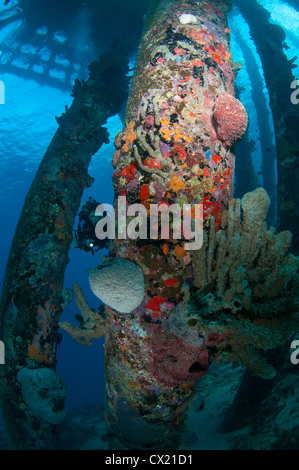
point(57, 74)
point(21, 63)
point(28, 49)
point(45, 54)
point(38, 68)
point(5, 58)
point(62, 61)
point(42, 31)
point(60, 37)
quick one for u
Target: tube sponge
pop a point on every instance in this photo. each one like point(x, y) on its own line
point(255, 206)
point(120, 285)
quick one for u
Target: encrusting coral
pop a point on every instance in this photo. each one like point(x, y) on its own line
point(176, 324)
point(246, 283)
point(92, 325)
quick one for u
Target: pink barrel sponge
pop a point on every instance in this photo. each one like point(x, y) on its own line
point(230, 119)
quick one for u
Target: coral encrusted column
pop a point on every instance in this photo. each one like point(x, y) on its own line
point(32, 395)
point(182, 119)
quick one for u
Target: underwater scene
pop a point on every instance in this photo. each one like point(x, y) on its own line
point(150, 237)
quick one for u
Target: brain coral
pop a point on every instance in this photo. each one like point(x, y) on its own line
point(230, 118)
point(120, 285)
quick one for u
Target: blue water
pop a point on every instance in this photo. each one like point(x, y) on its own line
point(27, 124)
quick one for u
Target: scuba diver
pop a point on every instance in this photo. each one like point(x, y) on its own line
point(85, 236)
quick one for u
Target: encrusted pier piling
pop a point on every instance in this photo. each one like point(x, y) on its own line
point(182, 120)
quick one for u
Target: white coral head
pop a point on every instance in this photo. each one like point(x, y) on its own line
point(120, 285)
point(187, 18)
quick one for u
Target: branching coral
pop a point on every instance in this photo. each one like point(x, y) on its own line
point(92, 324)
point(247, 282)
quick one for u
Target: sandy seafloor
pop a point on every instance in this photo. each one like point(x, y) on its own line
point(274, 427)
